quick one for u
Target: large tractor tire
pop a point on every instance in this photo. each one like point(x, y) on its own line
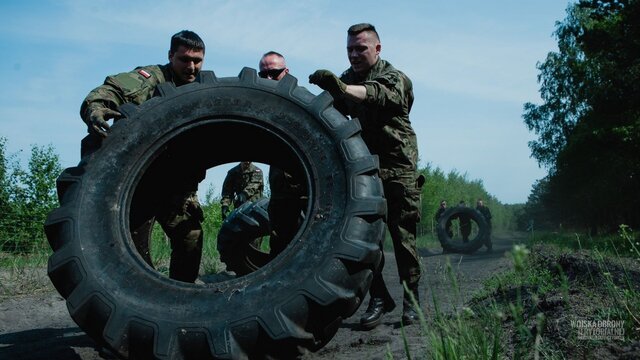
point(444, 234)
point(245, 224)
point(296, 301)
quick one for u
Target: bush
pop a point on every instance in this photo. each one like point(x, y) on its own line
point(26, 197)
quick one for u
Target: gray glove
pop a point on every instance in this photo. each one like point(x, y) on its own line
point(97, 120)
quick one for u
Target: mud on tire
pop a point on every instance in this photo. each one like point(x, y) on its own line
point(295, 301)
point(457, 247)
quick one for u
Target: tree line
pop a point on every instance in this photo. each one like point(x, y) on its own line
point(454, 187)
point(28, 194)
point(588, 125)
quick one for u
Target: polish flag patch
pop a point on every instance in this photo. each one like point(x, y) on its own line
point(144, 73)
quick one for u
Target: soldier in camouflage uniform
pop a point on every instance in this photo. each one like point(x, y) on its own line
point(381, 96)
point(288, 193)
point(464, 221)
point(176, 208)
point(441, 210)
point(243, 183)
point(484, 210)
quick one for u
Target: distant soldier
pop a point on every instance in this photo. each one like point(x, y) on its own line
point(484, 210)
point(441, 210)
point(465, 223)
point(243, 183)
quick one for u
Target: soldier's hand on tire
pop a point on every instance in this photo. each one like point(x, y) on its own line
point(97, 122)
point(241, 197)
point(195, 210)
point(224, 211)
point(328, 81)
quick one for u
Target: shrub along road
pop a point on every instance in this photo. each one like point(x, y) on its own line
point(37, 326)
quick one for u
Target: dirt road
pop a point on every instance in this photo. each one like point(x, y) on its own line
point(39, 327)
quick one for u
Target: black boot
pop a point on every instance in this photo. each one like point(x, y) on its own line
point(409, 313)
point(488, 244)
point(377, 307)
point(380, 303)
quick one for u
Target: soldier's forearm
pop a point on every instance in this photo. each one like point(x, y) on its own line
point(356, 93)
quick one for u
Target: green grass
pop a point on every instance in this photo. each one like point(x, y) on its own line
point(161, 252)
point(19, 272)
point(464, 334)
point(623, 245)
point(36, 256)
point(509, 316)
point(427, 241)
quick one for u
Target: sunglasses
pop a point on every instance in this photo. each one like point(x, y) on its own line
point(273, 73)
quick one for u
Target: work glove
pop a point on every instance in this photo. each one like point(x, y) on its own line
point(224, 211)
point(326, 80)
point(97, 121)
point(194, 208)
point(241, 198)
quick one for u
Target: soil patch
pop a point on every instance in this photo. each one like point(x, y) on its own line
point(581, 309)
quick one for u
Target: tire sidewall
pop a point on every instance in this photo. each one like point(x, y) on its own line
point(474, 244)
point(134, 144)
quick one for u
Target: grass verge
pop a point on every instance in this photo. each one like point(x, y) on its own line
point(559, 301)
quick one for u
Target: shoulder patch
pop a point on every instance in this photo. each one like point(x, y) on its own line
point(144, 73)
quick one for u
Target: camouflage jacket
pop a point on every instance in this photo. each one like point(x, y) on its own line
point(484, 210)
point(136, 87)
point(284, 185)
point(250, 182)
point(463, 218)
point(384, 117)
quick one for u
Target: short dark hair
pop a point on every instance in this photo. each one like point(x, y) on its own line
point(273, 53)
point(188, 39)
point(358, 28)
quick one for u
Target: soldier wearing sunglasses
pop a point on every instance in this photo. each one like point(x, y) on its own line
point(273, 66)
point(288, 194)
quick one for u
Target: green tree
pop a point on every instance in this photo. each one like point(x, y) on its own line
point(31, 195)
point(4, 181)
point(589, 124)
point(6, 209)
point(454, 187)
point(562, 76)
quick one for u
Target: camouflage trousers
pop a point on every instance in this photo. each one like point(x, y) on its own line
point(403, 214)
point(488, 242)
point(180, 217)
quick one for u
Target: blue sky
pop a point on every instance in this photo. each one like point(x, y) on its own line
point(472, 64)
